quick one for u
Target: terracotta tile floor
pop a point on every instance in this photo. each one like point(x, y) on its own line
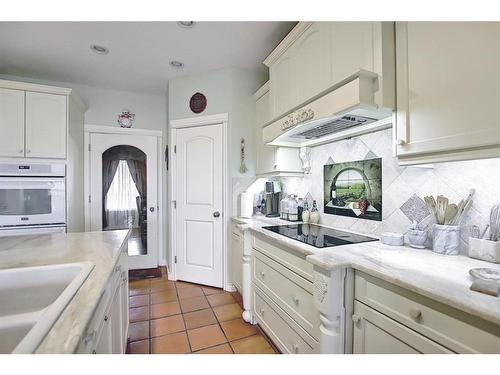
point(169, 317)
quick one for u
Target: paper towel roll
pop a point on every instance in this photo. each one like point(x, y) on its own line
point(246, 204)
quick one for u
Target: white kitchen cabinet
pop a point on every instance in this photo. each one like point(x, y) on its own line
point(46, 125)
point(311, 52)
point(374, 333)
point(387, 317)
point(283, 297)
point(272, 160)
point(107, 331)
point(317, 55)
point(11, 123)
point(237, 257)
point(447, 91)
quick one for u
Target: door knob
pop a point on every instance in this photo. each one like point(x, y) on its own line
point(152, 209)
point(216, 214)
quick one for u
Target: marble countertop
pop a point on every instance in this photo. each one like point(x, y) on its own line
point(101, 248)
point(440, 277)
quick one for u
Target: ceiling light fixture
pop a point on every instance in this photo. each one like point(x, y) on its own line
point(176, 64)
point(186, 24)
point(100, 50)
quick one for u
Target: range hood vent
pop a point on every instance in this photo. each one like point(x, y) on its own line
point(345, 110)
point(333, 126)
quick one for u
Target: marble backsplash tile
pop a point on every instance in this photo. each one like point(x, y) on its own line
point(403, 187)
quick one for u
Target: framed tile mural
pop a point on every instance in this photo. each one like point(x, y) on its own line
point(354, 189)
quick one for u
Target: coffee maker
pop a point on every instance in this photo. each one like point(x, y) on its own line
point(273, 198)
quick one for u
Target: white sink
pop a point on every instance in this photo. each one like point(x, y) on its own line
point(31, 300)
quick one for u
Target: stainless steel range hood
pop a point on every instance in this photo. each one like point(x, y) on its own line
point(344, 110)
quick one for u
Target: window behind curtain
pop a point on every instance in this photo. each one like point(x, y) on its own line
point(121, 198)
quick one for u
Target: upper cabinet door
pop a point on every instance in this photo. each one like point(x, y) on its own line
point(351, 48)
point(448, 90)
point(11, 123)
point(45, 125)
point(312, 61)
point(282, 86)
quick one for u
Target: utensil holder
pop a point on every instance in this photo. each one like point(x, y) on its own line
point(417, 238)
point(484, 249)
point(445, 239)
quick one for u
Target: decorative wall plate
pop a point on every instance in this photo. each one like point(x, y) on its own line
point(198, 102)
point(126, 118)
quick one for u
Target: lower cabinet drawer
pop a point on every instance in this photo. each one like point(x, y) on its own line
point(375, 333)
point(451, 328)
point(279, 329)
point(289, 291)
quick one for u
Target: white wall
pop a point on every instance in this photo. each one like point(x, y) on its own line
point(228, 91)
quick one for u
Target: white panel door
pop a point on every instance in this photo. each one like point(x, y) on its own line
point(11, 122)
point(45, 125)
point(199, 196)
point(148, 144)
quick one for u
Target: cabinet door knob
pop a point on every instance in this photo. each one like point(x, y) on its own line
point(262, 311)
point(356, 319)
point(28, 151)
point(21, 150)
point(295, 300)
point(400, 142)
point(106, 318)
point(416, 315)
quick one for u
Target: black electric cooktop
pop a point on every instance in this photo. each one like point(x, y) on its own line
point(318, 236)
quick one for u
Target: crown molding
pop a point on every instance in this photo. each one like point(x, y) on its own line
point(287, 41)
point(26, 86)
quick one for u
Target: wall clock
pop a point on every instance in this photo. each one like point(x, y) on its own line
point(198, 102)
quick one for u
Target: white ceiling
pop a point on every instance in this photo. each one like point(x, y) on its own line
point(140, 52)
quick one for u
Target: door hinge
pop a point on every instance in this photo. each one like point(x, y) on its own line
point(175, 259)
point(174, 203)
point(175, 149)
point(89, 147)
point(90, 200)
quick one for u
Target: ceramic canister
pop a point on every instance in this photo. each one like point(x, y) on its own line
point(446, 239)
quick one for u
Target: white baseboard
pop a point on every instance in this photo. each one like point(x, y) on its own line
point(230, 287)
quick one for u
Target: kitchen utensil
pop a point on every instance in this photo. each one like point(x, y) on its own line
point(431, 203)
point(451, 213)
point(463, 208)
point(485, 230)
point(495, 223)
point(441, 204)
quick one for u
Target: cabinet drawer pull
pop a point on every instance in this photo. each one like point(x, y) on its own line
point(262, 311)
point(295, 300)
point(94, 351)
point(416, 315)
point(262, 274)
point(295, 348)
point(106, 318)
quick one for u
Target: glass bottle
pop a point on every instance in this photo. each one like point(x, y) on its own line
point(293, 209)
point(305, 213)
point(300, 208)
point(314, 216)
